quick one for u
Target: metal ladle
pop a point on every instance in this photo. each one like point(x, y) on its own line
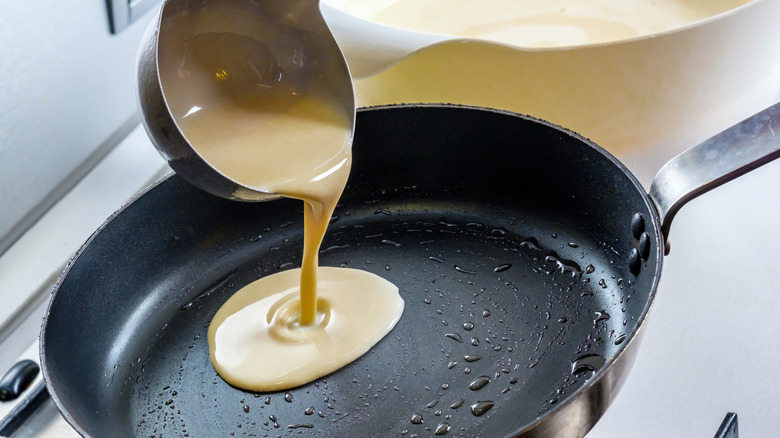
point(270, 43)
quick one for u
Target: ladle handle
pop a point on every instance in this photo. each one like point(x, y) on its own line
point(371, 47)
point(745, 146)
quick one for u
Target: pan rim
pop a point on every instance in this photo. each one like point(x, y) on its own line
point(50, 386)
point(547, 419)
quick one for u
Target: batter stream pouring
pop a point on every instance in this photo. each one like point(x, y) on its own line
point(257, 103)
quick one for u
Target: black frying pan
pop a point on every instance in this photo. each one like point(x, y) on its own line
point(512, 241)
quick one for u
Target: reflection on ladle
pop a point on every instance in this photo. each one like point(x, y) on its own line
point(233, 68)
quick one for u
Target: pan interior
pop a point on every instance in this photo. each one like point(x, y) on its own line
point(511, 260)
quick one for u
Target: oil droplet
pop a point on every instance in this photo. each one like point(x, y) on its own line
point(417, 419)
point(288, 397)
point(465, 271)
point(246, 408)
point(620, 339)
point(451, 365)
point(457, 404)
point(563, 265)
point(531, 243)
point(479, 383)
point(286, 266)
point(441, 429)
point(436, 259)
point(432, 404)
point(590, 269)
point(455, 337)
point(310, 410)
point(502, 268)
point(468, 326)
point(443, 221)
point(603, 283)
point(390, 242)
point(298, 426)
point(587, 363)
point(486, 313)
point(268, 400)
point(475, 342)
point(601, 315)
point(472, 358)
point(480, 407)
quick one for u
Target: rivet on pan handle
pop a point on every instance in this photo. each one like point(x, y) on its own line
point(745, 146)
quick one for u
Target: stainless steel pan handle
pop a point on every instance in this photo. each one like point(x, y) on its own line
point(745, 146)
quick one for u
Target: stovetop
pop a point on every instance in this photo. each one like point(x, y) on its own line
point(711, 345)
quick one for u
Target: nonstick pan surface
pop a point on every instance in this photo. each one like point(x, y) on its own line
point(513, 243)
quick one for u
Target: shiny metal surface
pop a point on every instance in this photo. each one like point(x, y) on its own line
point(727, 155)
point(581, 413)
point(729, 428)
point(293, 31)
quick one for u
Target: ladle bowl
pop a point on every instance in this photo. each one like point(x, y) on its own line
point(284, 42)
